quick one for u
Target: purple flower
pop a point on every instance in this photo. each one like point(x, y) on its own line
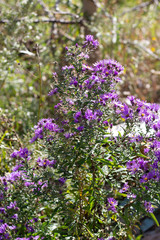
point(1, 196)
point(108, 67)
point(29, 228)
point(144, 178)
point(137, 138)
point(53, 91)
point(106, 123)
point(28, 183)
point(126, 112)
point(62, 180)
point(90, 40)
point(45, 162)
point(103, 99)
point(132, 166)
point(80, 128)
point(124, 188)
point(154, 175)
point(2, 210)
point(89, 115)
point(77, 117)
point(3, 228)
point(12, 205)
point(15, 216)
point(70, 67)
point(14, 176)
point(112, 204)
point(130, 195)
point(144, 165)
point(17, 167)
point(68, 135)
point(22, 153)
point(74, 82)
point(132, 100)
point(57, 105)
point(98, 112)
point(148, 207)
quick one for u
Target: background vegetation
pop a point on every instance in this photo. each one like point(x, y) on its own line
point(33, 36)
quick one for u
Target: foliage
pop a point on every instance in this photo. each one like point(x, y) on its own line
point(83, 181)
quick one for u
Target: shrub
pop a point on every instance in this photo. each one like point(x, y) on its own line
point(98, 169)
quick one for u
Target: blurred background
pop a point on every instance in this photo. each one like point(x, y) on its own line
point(33, 36)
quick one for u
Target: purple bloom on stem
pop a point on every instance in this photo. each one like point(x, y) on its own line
point(70, 67)
point(91, 40)
point(17, 167)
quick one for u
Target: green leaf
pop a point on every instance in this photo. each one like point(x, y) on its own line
point(139, 237)
point(91, 234)
point(101, 170)
point(3, 136)
point(155, 219)
point(141, 155)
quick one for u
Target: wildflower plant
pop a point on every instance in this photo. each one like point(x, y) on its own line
point(94, 182)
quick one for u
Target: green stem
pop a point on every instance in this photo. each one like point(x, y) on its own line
point(40, 83)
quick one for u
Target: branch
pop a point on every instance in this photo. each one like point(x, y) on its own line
point(155, 72)
point(142, 48)
point(140, 6)
point(47, 20)
point(56, 5)
point(57, 12)
point(45, 8)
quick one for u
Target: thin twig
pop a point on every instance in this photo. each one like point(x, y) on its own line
point(139, 7)
point(65, 13)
